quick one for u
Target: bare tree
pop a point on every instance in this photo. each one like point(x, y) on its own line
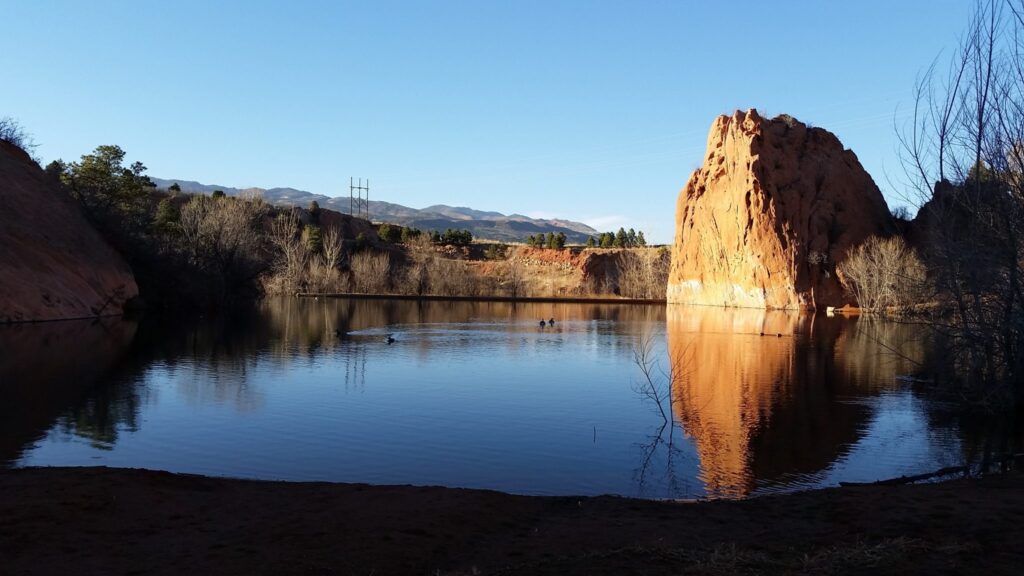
point(885, 275)
point(655, 383)
point(291, 256)
point(515, 279)
point(332, 250)
point(222, 236)
point(643, 273)
point(962, 152)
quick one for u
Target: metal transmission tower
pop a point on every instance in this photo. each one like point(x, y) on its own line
point(358, 203)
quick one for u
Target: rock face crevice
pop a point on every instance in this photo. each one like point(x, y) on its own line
point(53, 264)
point(764, 221)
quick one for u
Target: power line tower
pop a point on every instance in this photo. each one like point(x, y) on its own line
point(359, 198)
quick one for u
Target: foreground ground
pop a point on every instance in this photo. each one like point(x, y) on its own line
point(110, 521)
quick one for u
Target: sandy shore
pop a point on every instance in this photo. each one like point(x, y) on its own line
point(112, 521)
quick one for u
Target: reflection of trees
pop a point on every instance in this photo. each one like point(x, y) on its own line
point(104, 413)
point(659, 456)
point(355, 368)
point(763, 397)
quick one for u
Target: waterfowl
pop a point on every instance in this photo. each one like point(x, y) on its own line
point(551, 322)
point(390, 339)
point(542, 324)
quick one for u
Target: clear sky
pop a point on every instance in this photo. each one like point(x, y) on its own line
point(592, 111)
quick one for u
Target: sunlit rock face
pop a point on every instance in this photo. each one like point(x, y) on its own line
point(53, 264)
point(764, 221)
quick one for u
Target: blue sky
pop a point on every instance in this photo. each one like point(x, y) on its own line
point(592, 111)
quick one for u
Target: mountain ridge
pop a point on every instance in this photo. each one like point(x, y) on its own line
point(486, 225)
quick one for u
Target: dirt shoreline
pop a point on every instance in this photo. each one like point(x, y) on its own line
point(120, 521)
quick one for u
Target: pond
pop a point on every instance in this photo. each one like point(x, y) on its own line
point(479, 395)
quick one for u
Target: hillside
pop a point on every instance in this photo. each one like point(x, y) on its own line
point(54, 265)
point(485, 225)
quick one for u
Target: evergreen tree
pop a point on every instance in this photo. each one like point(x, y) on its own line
point(560, 240)
point(590, 242)
point(389, 233)
point(114, 196)
point(408, 234)
point(167, 217)
point(607, 239)
point(631, 240)
point(217, 194)
point(620, 239)
point(314, 212)
point(551, 240)
point(313, 240)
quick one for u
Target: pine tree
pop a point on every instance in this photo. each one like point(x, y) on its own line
point(620, 239)
point(560, 240)
point(312, 238)
point(167, 216)
point(314, 212)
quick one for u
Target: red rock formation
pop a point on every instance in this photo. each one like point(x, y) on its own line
point(53, 263)
point(764, 221)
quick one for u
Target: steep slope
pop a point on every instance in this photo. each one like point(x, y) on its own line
point(53, 264)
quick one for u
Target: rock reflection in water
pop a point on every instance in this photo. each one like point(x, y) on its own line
point(46, 367)
point(762, 393)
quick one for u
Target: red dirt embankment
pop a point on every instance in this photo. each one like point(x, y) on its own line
point(53, 264)
point(110, 521)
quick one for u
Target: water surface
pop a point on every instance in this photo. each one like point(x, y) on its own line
point(474, 394)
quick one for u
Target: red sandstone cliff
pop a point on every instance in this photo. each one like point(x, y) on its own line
point(764, 221)
point(53, 264)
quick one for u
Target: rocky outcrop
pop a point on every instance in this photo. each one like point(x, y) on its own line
point(766, 218)
point(53, 263)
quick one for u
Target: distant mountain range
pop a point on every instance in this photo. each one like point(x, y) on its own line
point(483, 225)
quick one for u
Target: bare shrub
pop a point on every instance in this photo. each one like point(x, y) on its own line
point(415, 278)
point(643, 273)
point(371, 271)
point(13, 133)
point(514, 281)
point(323, 275)
point(885, 275)
point(451, 278)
